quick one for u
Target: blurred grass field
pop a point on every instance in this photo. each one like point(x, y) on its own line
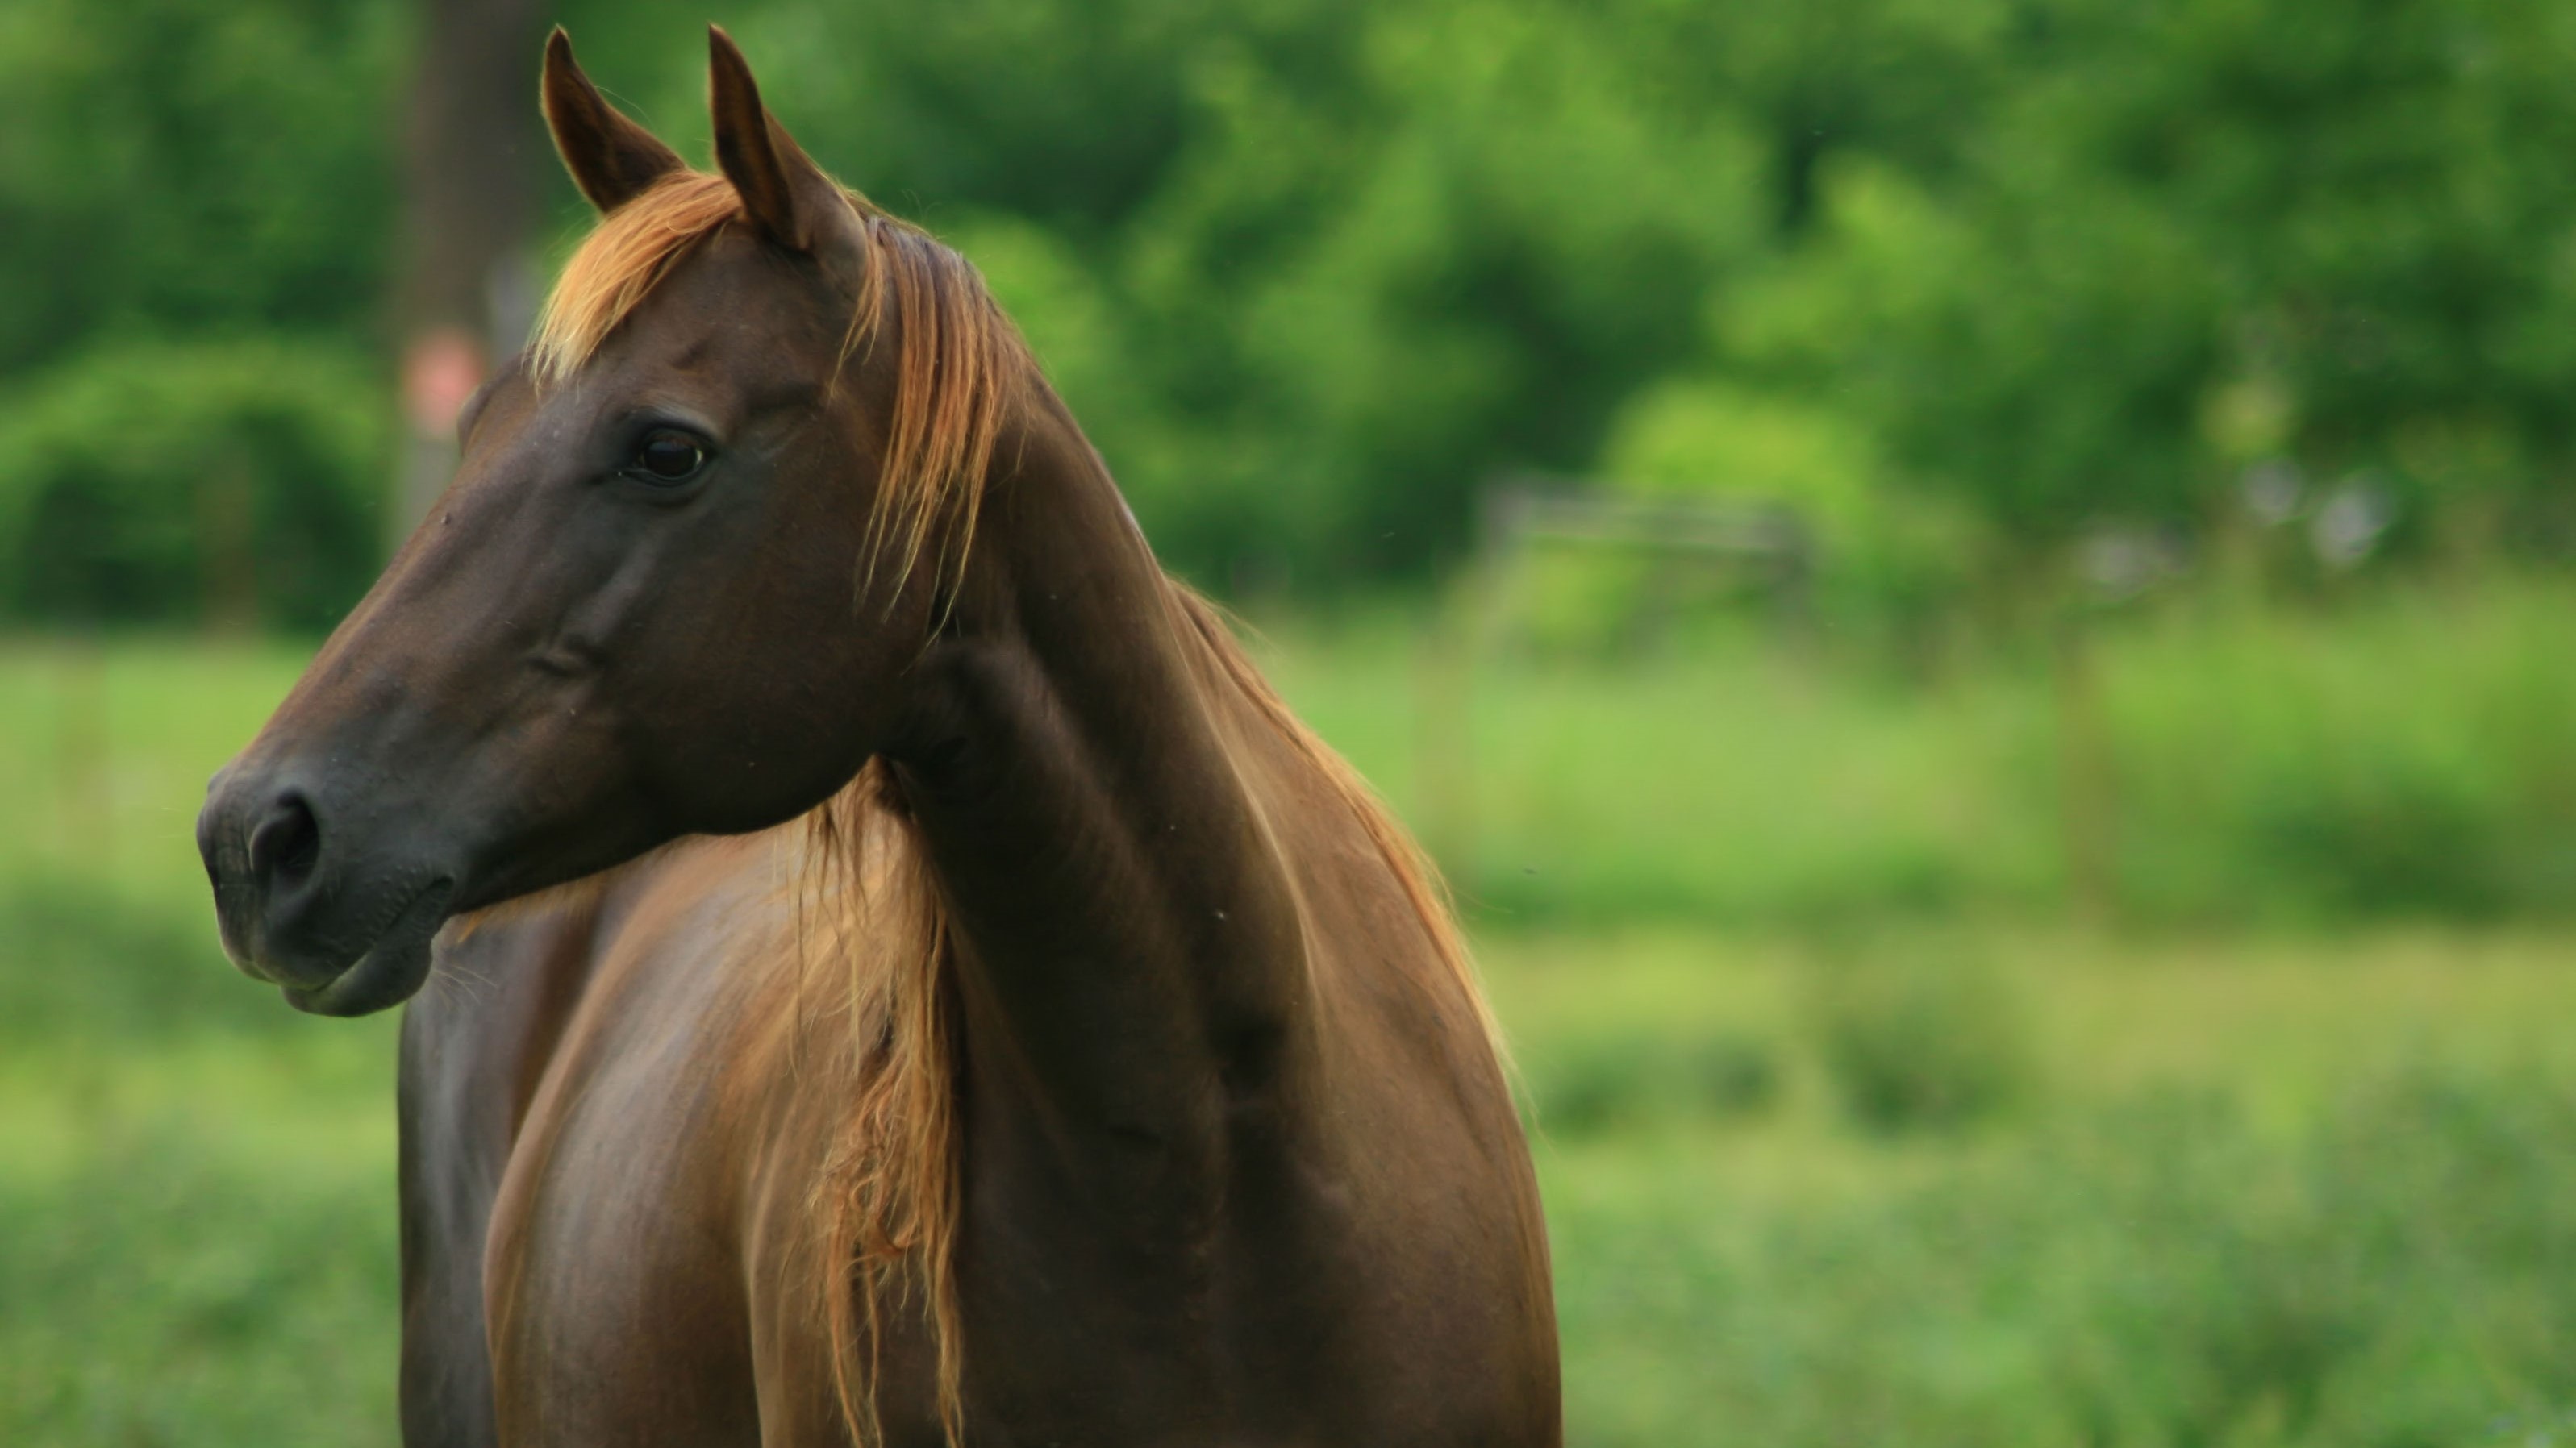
point(1851, 1133)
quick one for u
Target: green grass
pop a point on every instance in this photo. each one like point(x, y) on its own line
point(2283, 1193)
point(105, 752)
point(200, 1244)
point(196, 1187)
point(2299, 1183)
point(2400, 756)
point(1753, 786)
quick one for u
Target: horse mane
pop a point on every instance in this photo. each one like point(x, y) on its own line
point(887, 1202)
point(957, 370)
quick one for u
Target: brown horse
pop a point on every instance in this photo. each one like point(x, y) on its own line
point(894, 971)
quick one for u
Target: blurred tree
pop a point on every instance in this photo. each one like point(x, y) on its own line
point(2195, 234)
point(169, 167)
point(1901, 79)
point(2384, 191)
point(2041, 363)
point(232, 482)
point(1312, 270)
point(1352, 259)
point(472, 149)
point(193, 202)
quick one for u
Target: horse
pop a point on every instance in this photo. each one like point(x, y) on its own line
point(881, 965)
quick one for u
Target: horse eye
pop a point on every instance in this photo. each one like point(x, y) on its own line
point(668, 456)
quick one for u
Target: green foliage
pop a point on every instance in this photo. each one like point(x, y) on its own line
point(2037, 359)
point(196, 201)
point(1879, 545)
point(2157, 1273)
point(1585, 1085)
point(1722, 440)
point(2382, 193)
point(173, 481)
point(177, 168)
point(1330, 265)
point(180, 1285)
point(2403, 755)
point(1966, 280)
point(2351, 212)
point(1917, 1040)
point(85, 959)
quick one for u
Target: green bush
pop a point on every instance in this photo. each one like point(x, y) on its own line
point(1608, 1081)
point(83, 961)
point(1919, 1040)
point(2408, 755)
point(2156, 1273)
point(2403, 754)
point(2397, 1278)
point(232, 482)
point(165, 1293)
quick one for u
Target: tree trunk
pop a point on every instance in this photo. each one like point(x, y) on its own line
point(473, 146)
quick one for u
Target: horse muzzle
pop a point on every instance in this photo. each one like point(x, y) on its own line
point(340, 924)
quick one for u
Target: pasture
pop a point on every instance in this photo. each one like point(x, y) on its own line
point(1849, 1133)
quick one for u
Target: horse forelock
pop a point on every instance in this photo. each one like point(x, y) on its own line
point(960, 365)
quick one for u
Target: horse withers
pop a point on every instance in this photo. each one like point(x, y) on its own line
point(882, 965)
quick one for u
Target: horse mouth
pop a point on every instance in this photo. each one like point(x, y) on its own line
point(391, 971)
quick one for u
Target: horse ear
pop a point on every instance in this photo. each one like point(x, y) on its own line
point(782, 190)
point(611, 158)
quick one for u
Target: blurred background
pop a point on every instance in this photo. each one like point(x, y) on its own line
point(1977, 597)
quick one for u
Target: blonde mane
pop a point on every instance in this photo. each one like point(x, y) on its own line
point(887, 1203)
point(961, 363)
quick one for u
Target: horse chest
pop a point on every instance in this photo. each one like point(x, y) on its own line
point(627, 1253)
point(615, 1298)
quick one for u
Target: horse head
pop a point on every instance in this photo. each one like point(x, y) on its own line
point(692, 543)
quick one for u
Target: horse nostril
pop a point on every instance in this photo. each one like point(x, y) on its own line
point(286, 844)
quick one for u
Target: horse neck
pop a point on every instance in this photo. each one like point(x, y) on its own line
point(1127, 934)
